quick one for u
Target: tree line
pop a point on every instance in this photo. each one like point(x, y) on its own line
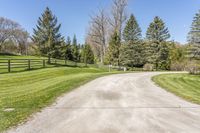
point(51, 43)
point(113, 38)
point(116, 39)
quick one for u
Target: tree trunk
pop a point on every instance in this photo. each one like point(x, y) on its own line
point(49, 59)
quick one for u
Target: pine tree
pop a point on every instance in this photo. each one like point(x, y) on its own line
point(114, 50)
point(194, 38)
point(47, 36)
point(157, 35)
point(157, 31)
point(87, 54)
point(131, 54)
point(75, 51)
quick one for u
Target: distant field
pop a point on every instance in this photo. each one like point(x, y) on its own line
point(183, 85)
point(24, 93)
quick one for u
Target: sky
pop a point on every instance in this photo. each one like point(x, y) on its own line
point(74, 15)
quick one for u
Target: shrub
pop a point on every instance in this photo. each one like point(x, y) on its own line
point(193, 67)
point(178, 66)
point(148, 67)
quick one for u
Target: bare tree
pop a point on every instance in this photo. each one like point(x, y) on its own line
point(97, 35)
point(119, 15)
point(7, 28)
point(21, 38)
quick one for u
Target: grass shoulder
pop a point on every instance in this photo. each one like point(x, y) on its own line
point(185, 86)
point(25, 93)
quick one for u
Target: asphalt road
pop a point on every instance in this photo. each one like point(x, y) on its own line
point(123, 103)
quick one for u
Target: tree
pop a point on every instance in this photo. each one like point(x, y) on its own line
point(194, 38)
point(163, 59)
point(75, 51)
point(8, 29)
point(87, 54)
point(114, 50)
point(132, 51)
point(157, 31)
point(97, 36)
point(68, 50)
point(132, 31)
point(47, 36)
point(21, 38)
point(118, 16)
point(156, 47)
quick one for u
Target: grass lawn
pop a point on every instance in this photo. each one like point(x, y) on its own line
point(22, 65)
point(20, 57)
point(183, 85)
point(24, 93)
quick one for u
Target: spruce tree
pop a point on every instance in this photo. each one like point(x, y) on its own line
point(68, 50)
point(157, 35)
point(157, 31)
point(47, 36)
point(131, 54)
point(132, 31)
point(87, 54)
point(114, 50)
point(164, 57)
point(75, 51)
point(194, 38)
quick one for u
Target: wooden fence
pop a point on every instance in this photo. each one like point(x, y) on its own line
point(9, 65)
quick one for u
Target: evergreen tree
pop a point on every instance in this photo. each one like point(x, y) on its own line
point(47, 36)
point(164, 54)
point(87, 54)
point(132, 31)
point(132, 51)
point(156, 47)
point(194, 38)
point(68, 50)
point(75, 51)
point(114, 50)
point(152, 53)
point(79, 52)
point(157, 32)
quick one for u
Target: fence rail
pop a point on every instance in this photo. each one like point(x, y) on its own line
point(9, 65)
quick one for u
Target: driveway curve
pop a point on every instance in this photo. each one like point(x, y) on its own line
point(123, 103)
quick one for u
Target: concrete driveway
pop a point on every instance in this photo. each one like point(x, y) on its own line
point(124, 103)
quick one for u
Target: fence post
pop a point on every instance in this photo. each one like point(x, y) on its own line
point(9, 66)
point(29, 64)
point(65, 62)
point(43, 63)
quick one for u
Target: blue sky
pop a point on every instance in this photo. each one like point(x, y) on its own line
point(74, 15)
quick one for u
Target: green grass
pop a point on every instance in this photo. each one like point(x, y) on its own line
point(28, 92)
point(20, 57)
point(22, 65)
point(183, 85)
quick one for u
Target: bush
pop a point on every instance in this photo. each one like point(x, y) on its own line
point(178, 66)
point(148, 67)
point(193, 67)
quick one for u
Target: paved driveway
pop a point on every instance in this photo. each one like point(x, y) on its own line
point(124, 103)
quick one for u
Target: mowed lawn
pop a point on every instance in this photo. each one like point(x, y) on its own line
point(20, 57)
point(20, 63)
point(24, 93)
point(184, 85)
